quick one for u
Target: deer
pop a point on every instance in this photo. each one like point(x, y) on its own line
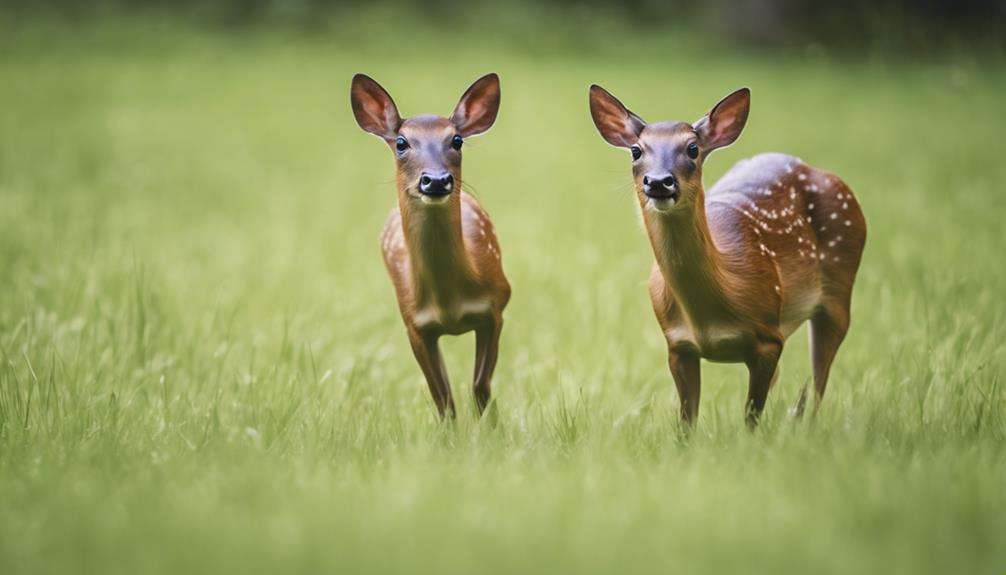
point(438, 244)
point(773, 244)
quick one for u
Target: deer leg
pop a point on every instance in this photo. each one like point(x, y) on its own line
point(827, 331)
point(761, 373)
point(486, 350)
point(427, 351)
point(688, 379)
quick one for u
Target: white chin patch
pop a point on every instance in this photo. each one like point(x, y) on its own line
point(434, 200)
point(662, 204)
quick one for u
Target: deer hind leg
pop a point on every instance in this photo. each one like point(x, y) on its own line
point(688, 379)
point(775, 378)
point(761, 374)
point(427, 351)
point(486, 351)
point(827, 330)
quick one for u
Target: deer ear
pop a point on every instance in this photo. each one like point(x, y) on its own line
point(374, 109)
point(614, 121)
point(477, 109)
point(721, 126)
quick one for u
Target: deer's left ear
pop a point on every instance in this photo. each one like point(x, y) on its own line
point(616, 124)
point(477, 109)
point(373, 108)
point(721, 126)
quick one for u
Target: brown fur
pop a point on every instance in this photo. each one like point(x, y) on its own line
point(773, 244)
point(442, 256)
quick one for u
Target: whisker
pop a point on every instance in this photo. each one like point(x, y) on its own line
point(623, 187)
point(468, 188)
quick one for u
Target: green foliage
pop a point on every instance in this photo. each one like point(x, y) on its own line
point(203, 368)
point(856, 28)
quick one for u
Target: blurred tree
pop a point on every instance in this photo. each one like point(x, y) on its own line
point(899, 26)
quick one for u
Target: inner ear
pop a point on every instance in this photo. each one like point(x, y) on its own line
point(617, 125)
point(476, 111)
point(373, 108)
point(724, 123)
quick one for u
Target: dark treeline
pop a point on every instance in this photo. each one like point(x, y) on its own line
point(919, 26)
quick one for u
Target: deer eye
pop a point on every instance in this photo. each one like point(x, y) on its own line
point(456, 142)
point(401, 144)
point(693, 150)
point(636, 152)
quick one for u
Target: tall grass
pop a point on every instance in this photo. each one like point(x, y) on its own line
point(204, 370)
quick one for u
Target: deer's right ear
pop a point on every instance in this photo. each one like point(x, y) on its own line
point(374, 109)
point(614, 121)
point(724, 123)
point(477, 109)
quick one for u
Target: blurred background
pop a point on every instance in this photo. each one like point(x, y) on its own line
point(857, 27)
point(203, 369)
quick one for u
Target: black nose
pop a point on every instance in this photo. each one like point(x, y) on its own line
point(436, 184)
point(666, 181)
point(659, 185)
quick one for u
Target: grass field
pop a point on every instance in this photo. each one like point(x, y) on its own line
point(204, 370)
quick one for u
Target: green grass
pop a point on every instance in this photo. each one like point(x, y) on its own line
point(203, 367)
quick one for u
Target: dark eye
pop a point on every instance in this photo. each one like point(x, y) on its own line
point(636, 152)
point(401, 144)
point(456, 142)
point(693, 150)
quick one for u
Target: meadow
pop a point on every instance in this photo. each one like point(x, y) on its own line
point(204, 370)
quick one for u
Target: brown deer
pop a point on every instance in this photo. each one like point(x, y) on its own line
point(776, 242)
point(439, 246)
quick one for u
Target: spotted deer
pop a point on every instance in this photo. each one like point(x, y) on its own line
point(776, 242)
point(439, 246)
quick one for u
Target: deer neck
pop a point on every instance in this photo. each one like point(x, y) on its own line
point(440, 265)
point(693, 268)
